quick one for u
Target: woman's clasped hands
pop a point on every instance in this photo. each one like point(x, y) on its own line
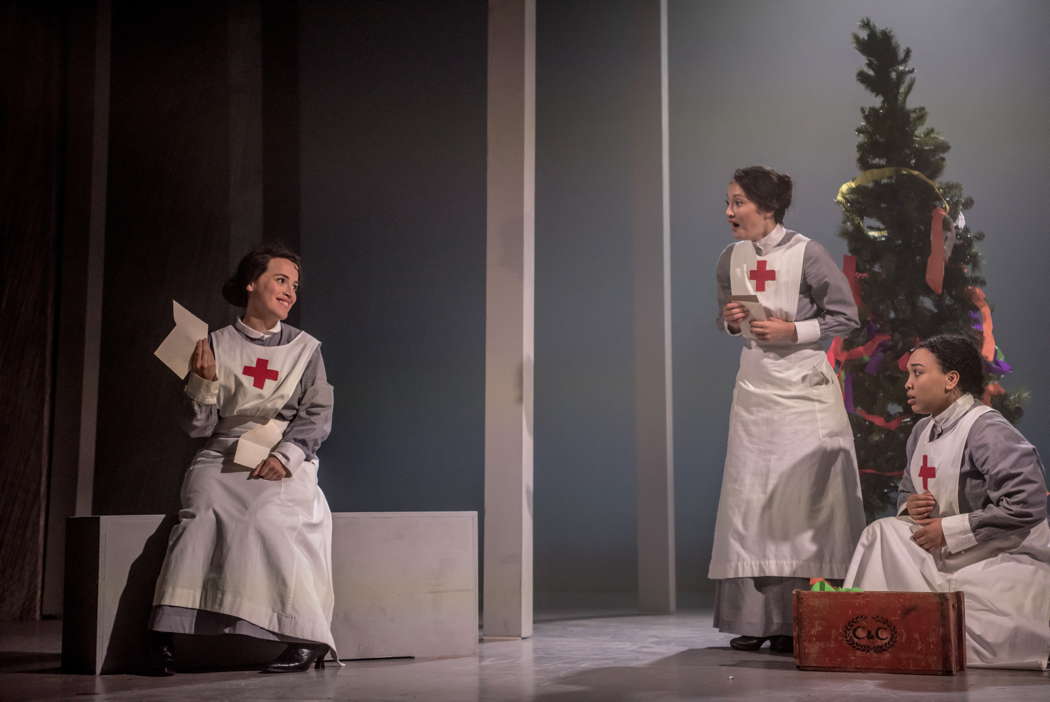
point(770, 331)
point(930, 535)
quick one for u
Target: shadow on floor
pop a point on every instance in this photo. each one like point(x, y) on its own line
point(723, 672)
point(29, 662)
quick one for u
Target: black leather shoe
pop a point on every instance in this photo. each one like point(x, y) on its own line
point(747, 643)
point(161, 653)
point(297, 658)
point(782, 644)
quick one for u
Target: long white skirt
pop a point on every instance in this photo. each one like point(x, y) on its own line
point(1007, 593)
point(258, 550)
point(790, 504)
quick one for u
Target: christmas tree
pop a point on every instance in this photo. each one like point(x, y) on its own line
point(913, 265)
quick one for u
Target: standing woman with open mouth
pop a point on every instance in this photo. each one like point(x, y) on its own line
point(252, 551)
point(790, 507)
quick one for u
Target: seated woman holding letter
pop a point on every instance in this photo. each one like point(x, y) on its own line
point(251, 553)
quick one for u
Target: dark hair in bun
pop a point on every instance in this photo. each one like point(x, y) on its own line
point(769, 190)
point(251, 267)
point(956, 353)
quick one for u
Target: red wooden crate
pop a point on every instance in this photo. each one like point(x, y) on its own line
point(887, 632)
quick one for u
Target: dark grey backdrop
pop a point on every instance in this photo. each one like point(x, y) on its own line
point(360, 137)
point(773, 83)
point(392, 176)
point(393, 232)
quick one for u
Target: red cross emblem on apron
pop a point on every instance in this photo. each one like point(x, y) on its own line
point(260, 372)
point(761, 276)
point(927, 472)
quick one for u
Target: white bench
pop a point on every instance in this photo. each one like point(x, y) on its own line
point(406, 585)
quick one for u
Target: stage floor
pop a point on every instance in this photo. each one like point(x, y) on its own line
point(606, 654)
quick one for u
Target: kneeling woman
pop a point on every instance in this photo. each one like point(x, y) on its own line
point(971, 513)
point(251, 553)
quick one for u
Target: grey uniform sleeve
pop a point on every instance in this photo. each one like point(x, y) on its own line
point(906, 487)
point(1014, 478)
point(723, 287)
point(197, 419)
point(829, 289)
point(312, 422)
point(199, 410)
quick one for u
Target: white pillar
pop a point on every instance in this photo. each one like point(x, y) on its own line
point(652, 334)
point(507, 603)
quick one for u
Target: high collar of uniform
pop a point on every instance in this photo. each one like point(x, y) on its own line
point(766, 244)
point(254, 333)
point(952, 414)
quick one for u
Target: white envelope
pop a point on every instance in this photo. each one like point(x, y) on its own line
point(177, 347)
point(755, 312)
point(254, 446)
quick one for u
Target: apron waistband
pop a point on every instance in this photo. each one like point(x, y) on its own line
point(237, 425)
point(229, 430)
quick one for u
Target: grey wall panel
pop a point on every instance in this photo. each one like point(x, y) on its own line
point(773, 83)
point(374, 146)
point(592, 132)
point(392, 123)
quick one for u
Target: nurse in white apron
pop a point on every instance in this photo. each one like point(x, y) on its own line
point(971, 516)
point(790, 507)
point(251, 553)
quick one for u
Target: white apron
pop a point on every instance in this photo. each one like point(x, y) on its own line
point(259, 550)
point(790, 504)
point(257, 381)
point(1006, 581)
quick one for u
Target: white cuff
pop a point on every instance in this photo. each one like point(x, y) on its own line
point(807, 331)
point(206, 392)
point(957, 532)
point(726, 327)
point(290, 455)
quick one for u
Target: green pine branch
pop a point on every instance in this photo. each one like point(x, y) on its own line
point(887, 228)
